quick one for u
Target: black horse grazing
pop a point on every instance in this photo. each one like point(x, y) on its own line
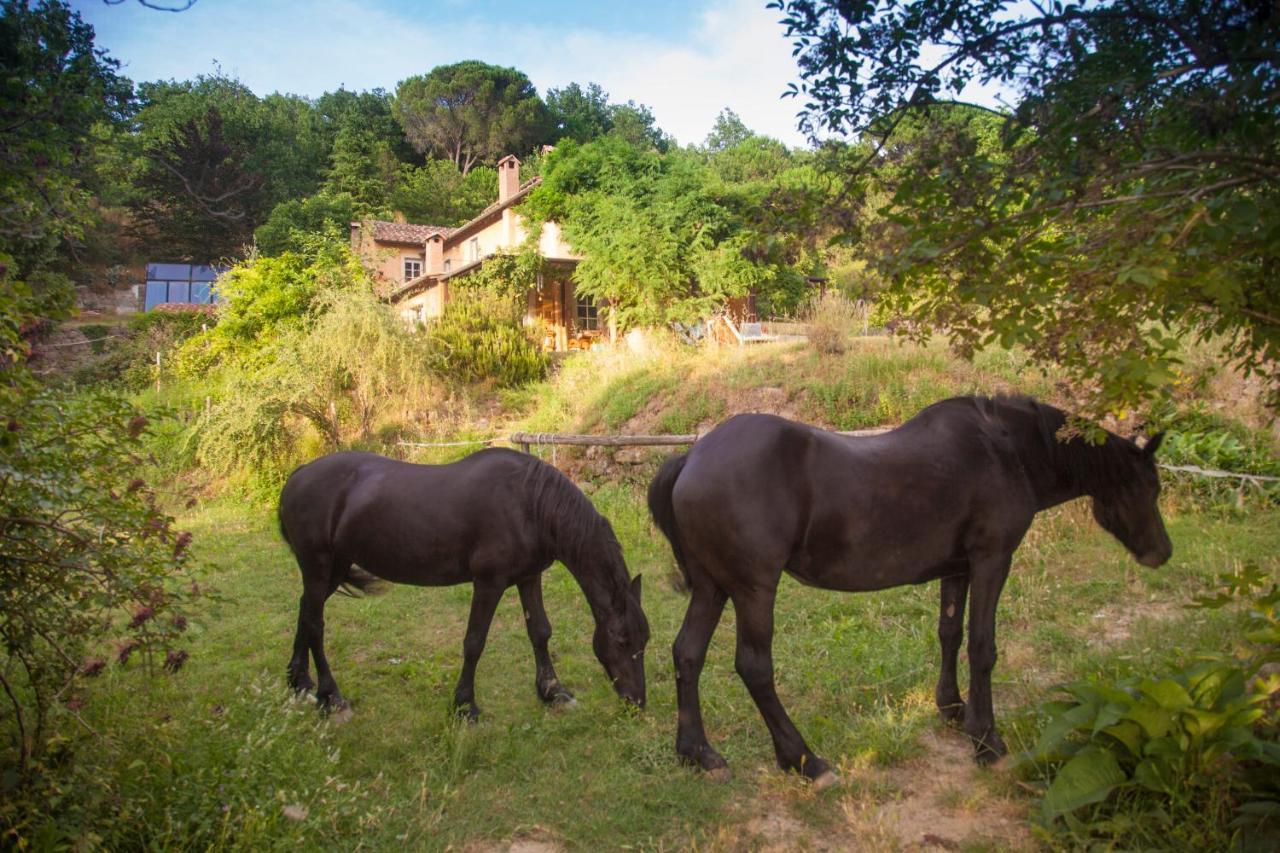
point(948, 495)
point(495, 519)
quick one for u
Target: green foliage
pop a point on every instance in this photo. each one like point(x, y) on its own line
point(55, 88)
point(471, 113)
point(269, 295)
point(580, 114)
point(363, 167)
point(437, 193)
point(663, 238)
point(481, 338)
point(324, 214)
point(214, 159)
point(1130, 198)
point(302, 341)
point(1200, 740)
point(87, 555)
point(727, 132)
point(259, 771)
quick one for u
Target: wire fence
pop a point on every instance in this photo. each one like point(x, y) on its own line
point(527, 441)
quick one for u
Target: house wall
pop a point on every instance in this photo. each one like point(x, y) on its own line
point(424, 305)
point(384, 260)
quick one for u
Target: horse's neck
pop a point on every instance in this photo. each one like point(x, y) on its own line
point(1053, 471)
point(594, 574)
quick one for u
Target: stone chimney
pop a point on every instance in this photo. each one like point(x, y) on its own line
point(434, 261)
point(508, 177)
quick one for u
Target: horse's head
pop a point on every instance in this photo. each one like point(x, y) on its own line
point(619, 642)
point(1129, 510)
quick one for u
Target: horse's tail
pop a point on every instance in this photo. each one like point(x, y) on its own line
point(664, 514)
point(360, 582)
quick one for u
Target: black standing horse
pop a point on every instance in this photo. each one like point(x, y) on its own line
point(495, 519)
point(948, 495)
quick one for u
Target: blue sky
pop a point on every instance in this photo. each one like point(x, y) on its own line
point(686, 60)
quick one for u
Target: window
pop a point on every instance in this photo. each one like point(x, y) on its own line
point(474, 249)
point(448, 265)
point(412, 268)
point(587, 315)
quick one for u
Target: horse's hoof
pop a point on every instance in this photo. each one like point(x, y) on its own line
point(952, 715)
point(720, 775)
point(340, 714)
point(563, 701)
point(826, 779)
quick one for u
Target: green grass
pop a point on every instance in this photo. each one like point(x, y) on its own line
point(212, 757)
point(856, 672)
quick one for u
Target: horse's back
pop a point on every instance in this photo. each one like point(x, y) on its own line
point(847, 512)
point(409, 523)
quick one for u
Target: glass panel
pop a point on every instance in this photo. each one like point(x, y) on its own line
point(157, 294)
point(181, 272)
point(201, 294)
point(204, 273)
point(179, 291)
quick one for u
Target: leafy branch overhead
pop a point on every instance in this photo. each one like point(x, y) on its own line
point(1129, 199)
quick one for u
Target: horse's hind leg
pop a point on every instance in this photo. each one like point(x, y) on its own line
point(318, 583)
point(535, 620)
point(484, 601)
point(300, 663)
point(690, 652)
point(950, 635)
point(754, 609)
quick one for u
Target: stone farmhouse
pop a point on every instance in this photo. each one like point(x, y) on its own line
point(416, 264)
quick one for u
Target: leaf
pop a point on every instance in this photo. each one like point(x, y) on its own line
point(1167, 693)
point(1089, 777)
point(1075, 718)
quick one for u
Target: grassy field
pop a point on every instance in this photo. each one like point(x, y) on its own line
point(224, 742)
point(221, 756)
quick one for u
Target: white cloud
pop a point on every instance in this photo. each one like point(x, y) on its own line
point(736, 57)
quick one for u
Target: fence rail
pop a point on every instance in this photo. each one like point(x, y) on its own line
point(527, 440)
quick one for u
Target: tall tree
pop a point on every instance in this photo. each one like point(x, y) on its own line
point(1134, 194)
point(471, 112)
point(727, 132)
point(215, 159)
point(635, 124)
point(54, 88)
point(580, 114)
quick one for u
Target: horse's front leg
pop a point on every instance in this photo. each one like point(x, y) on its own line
point(987, 580)
point(689, 653)
point(754, 661)
point(484, 601)
point(546, 682)
point(950, 635)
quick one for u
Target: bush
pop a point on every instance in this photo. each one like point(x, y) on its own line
point(355, 362)
point(832, 319)
point(86, 555)
point(482, 338)
point(129, 363)
point(1194, 751)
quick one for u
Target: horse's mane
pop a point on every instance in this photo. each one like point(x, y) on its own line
point(582, 538)
point(1090, 468)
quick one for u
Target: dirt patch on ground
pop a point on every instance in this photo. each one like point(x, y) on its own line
point(939, 801)
point(1116, 623)
point(535, 840)
point(945, 801)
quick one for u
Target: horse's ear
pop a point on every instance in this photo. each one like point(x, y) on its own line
point(1153, 444)
point(635, 587)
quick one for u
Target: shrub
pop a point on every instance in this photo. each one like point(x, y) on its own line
point(1195, 749)
point(832, 319)
point(85, 555)
point(481, 338)
point(355, 361)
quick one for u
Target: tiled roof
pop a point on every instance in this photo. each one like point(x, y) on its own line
point(405, 232)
